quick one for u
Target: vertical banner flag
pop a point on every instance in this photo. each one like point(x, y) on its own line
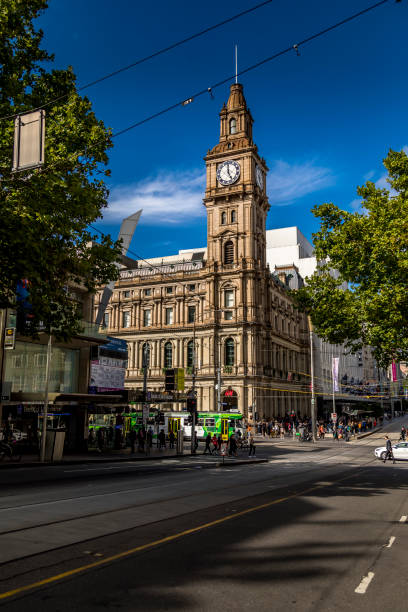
point(394, 372)
point(335, 373)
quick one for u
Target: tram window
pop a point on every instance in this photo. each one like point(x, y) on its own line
point(200, 422)
point(210, 422)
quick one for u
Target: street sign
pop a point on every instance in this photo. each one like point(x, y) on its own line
point(10, 338)
point(29, 139)
point(146, 410)
point(334, 416)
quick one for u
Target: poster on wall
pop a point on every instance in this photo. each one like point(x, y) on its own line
point(108, 371)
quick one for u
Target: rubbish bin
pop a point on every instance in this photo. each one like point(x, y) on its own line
point(54, 444)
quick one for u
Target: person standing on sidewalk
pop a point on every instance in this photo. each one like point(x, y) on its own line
point(251, 445)
point(132, 440)
point(162, 439)
point(388, 453)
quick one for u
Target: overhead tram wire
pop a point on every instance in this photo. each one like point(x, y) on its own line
point(185, 101)
point(290, 49)
point(151, 56)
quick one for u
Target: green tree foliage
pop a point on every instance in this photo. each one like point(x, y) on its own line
point(45, 213)
point(370, 252)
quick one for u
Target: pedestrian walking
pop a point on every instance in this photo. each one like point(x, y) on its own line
point(172, 439)
point(233, 446)
point(251, 445)
point(99, 439)
point(132, 440)
point(162, 439)
point(208, 444)
point(388, 453)
point(403, 433)
point(141, 437)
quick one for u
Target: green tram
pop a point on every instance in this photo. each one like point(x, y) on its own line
point(218, 423)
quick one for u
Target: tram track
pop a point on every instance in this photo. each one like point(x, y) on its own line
point(93, 515)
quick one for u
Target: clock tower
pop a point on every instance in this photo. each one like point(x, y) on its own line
point(235, 195)
point(238, 296)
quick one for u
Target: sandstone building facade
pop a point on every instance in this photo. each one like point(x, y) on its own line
point(219, 307)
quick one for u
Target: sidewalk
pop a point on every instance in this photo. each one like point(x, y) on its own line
point(93, 457)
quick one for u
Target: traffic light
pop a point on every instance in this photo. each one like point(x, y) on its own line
point(169, 381)
point(192, 404)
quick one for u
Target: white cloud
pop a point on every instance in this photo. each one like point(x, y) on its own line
point(168, 198)
point(287, 183)
point(356, 204)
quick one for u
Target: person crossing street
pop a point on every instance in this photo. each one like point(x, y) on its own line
point(388, 453)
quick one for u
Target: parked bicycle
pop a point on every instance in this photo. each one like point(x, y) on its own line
point(11, 450)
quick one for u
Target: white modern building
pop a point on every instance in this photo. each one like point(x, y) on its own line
point(289, 253)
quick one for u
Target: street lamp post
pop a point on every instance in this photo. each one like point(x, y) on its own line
point(45, 412)
point(312, 385)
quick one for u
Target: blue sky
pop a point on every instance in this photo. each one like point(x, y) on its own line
point(323, 121)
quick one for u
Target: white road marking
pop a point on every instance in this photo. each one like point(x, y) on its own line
point(403, 518)
point(391, 542)
point(363, 586)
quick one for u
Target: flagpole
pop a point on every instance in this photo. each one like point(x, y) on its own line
point(333, 389)
point(236, 64)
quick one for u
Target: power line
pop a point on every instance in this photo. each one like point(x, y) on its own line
point(290, 49)
point(152, 55)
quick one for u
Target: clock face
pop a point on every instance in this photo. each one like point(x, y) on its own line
point(228, 172)
point(259, 177)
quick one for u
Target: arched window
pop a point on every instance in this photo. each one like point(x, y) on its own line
point(233, 216)
point(146, 355)
point(168, 355)
point(190, 354)
point(229, 353)
point(233, 126)
point(223, 218)
point(228, 252)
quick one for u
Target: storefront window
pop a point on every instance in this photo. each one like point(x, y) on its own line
point(25, 368)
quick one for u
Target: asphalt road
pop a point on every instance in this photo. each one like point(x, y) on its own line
point(300, 532)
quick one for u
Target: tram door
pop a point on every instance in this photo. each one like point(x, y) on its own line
point(224, 430)
point(174, 425)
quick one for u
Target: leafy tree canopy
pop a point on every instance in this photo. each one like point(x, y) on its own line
point(45, 213)
point(369, 249)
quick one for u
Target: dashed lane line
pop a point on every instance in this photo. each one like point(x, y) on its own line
point(403, 519)
point(391, 542)
point(363, 586)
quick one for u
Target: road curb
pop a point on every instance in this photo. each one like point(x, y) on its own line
point(114, 459)
point(370, 433)
point(37, 464)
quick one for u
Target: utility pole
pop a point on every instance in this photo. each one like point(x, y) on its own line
point(312, 385)
point(45, 412)
point(219, 377)
point(193, 413)
point(144, 365)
